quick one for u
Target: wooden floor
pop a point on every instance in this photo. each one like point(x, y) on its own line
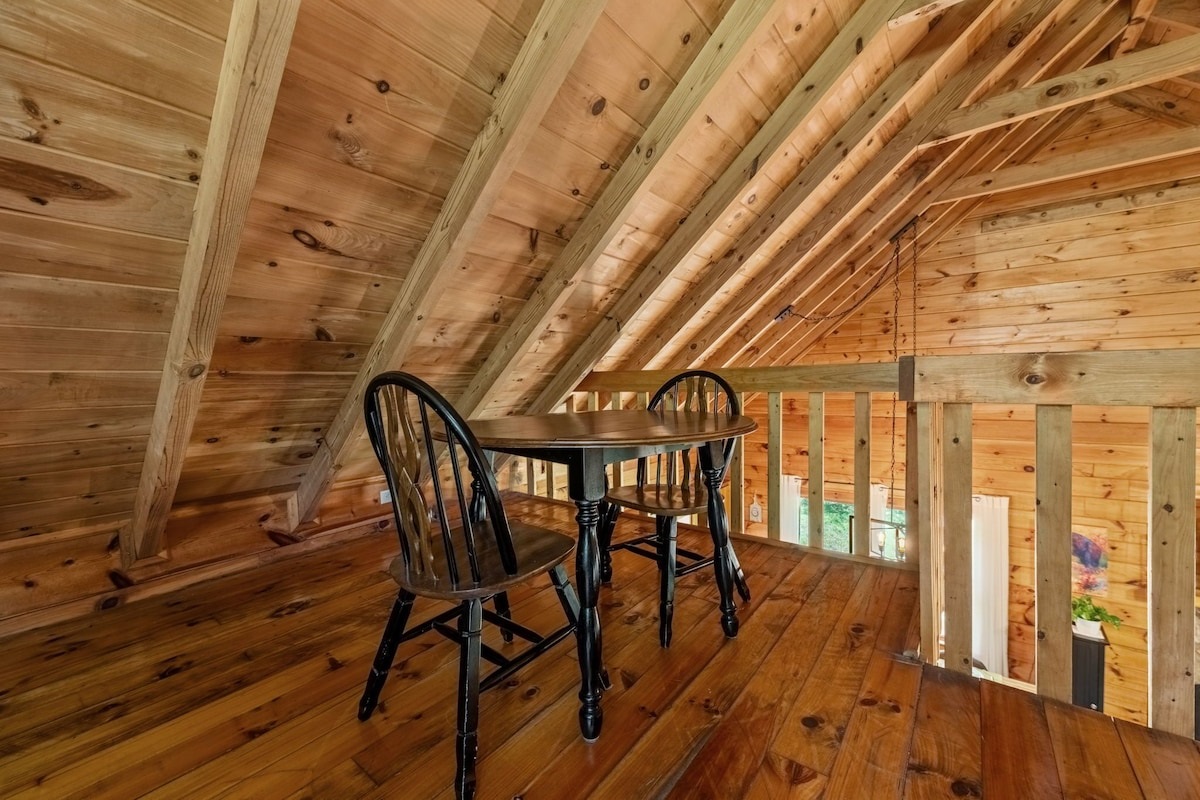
point(248, 687)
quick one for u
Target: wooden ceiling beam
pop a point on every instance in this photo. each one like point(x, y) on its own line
point(886, 109)
point(835, 298)
point(1155, 104)
point(863, 29)
point(545, 58)
point(1066, 48)
point(711, 71)
point(1138, 69)
point(914, 10)
point(1139, 13)
point(1145, 150)
point(888, 181)
point(260, 34)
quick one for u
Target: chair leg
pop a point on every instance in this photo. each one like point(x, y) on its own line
point(470, 626)
point(604, 533)
point(500, 601)
point(668, 529)
point(386, 652)
point(739, 577)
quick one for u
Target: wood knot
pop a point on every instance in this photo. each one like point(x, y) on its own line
point(196, 370)
point(811, 722)
point(1033, 379)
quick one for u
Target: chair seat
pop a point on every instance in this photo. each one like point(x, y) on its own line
point(538, 550)
point(662, 500)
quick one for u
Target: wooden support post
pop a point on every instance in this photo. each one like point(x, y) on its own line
point(956, 510)
point(615, 480)
point(816, 469)
point(1053, 556)
point(260, 33)
point(737, 482)
point(912, 542)
point(1172, 559)
point(862, 474)
point(530, 478)
point(928, 525)
point(774, 465)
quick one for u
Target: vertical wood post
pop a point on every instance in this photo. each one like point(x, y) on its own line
point(1172, 559)
point(1053, 552)
point(956, 512)
point(927, 523)
point(912, 542)
point(862, 474)
point(774, 465)
point(737, 484)
point(530, 478)
point(616, 476)
point(816, 469)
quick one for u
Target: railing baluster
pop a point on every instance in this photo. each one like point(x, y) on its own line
point(926, 524)
point(774, 465)
point(956, 448)
point(616, 478)
point(816, 469)
point(1053, 552)
point(1172, 574)
point(737, 483)
point(862, 474)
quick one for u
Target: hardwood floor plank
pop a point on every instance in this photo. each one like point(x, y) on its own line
point(733, 754)
point(247, 686)
point(1166, 766)
point(1091, 758)
point(692, 719)
point(946, 758)
point(1018, 758)
point(647, 678)
point(874, 750)
point(813, 729)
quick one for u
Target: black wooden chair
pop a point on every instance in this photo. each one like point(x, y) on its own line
point(456, 544)
point(671, 486)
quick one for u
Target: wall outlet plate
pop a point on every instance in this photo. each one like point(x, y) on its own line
point(385, 496)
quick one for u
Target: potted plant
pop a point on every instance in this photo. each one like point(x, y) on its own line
point(1086, 616)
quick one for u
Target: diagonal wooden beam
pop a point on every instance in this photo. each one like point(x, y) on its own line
point(711, 71)
point(868, 23)
point(260, 34)
point(1176, 111)
point(834, 301)
point(879, 199)
point(1139, 13)
point(549, 51)
point(1066, 47)
point(913, 10)
point(1144, 67)
point(1146, 150)
point(887, 180)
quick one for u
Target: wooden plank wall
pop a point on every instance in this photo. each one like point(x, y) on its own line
point(104, 115)
point(1107, 263)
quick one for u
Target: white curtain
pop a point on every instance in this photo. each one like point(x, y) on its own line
point(989, 573)
point(879, 504)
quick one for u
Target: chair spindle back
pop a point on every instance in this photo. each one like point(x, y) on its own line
point(697, 391)
point(444, 494)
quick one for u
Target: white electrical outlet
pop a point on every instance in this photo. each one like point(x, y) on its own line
point(385, 496)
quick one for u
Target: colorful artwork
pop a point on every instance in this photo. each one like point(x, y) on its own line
point(1089, 560)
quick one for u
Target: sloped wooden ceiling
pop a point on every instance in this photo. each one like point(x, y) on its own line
point(633, 185)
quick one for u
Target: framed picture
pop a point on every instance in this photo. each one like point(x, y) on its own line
point(1089, 560)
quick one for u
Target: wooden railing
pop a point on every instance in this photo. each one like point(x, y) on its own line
point(814, 382)
point(943, 391)
point(938, 396)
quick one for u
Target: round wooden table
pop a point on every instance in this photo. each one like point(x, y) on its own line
point(585, 442)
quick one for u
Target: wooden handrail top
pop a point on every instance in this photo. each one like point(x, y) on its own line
point(882, 377)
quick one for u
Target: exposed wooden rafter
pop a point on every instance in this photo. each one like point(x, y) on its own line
point(711, 70)
point(887, 184)
point(549, 51)
point(914, 10)
point(1139, 13)
point(834, 62)
point(260, 34)
point(1102, 80)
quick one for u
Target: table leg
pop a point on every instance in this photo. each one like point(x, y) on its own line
point(718, 524)
point(586, 482)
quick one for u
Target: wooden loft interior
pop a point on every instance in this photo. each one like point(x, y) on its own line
point(221, 219)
